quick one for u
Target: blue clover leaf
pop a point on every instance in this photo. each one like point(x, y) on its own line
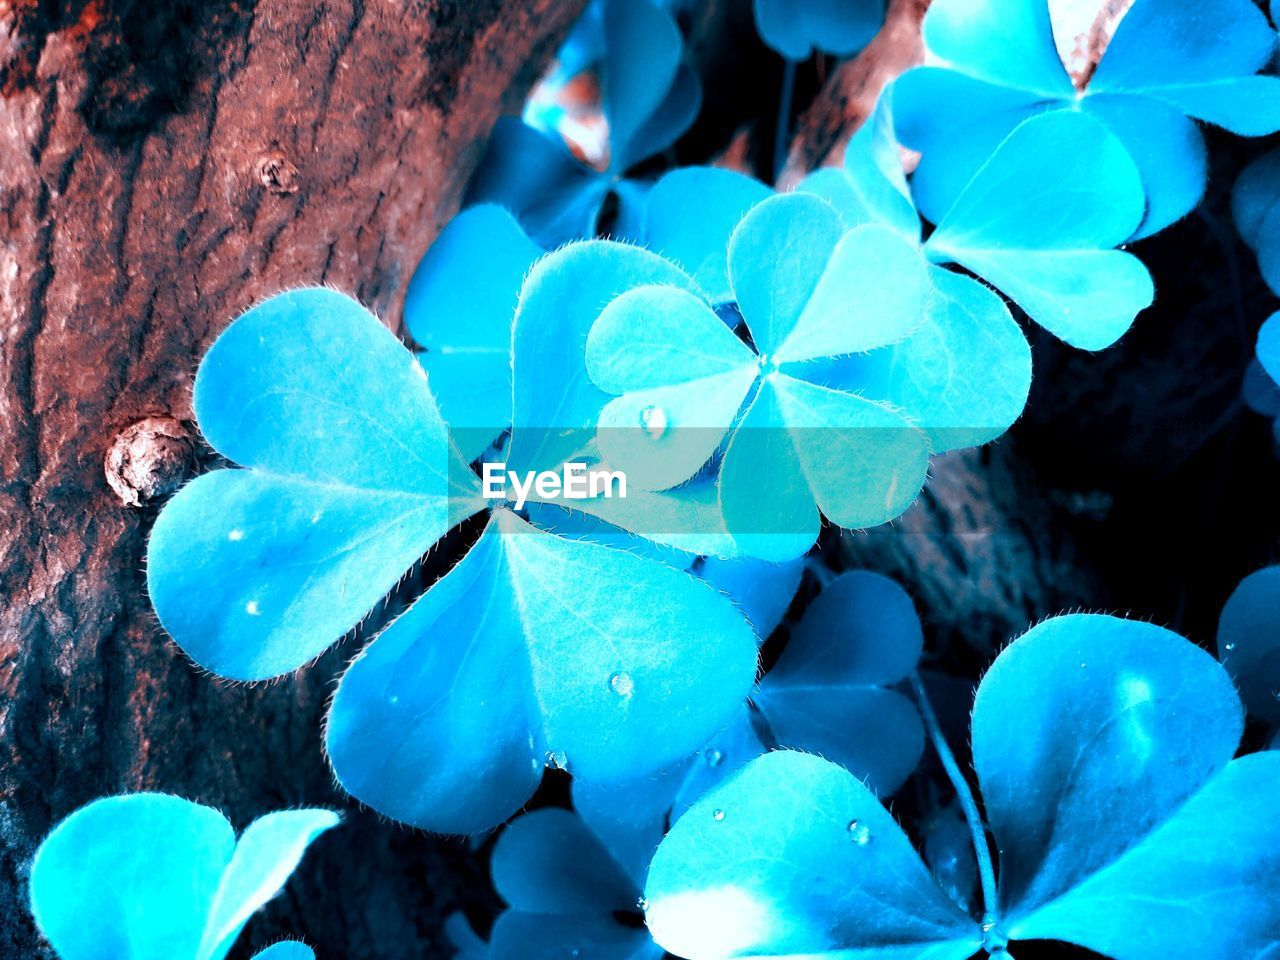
point(563, 889)
point(1249, 642)
point(558, 652)
point(154, 877)
point(1036, 221)
point(1269, 347)
point(460, 306)
point(762, 590)
point(1158, 76)
point(1261, 387)
point(684, 384)
point(567, 877)
point(286, 950)
point(649, 99)
point(349, 477)
point(828, 695)
point(796, 30)
point(1255, 205)
point(699, 244)
point(1122, 821)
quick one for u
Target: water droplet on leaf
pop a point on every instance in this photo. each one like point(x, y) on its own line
point(653, 421)
point(622, 684)
point(556, 760)
point(717, 815)
point(714, 758)
point(252, 608)
point(859, 833)
point(235, 535)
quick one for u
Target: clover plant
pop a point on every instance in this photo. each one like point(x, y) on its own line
point(1120, 821)
point(1035, 221)
point(749, 362)
point(148, 876)
point(533, 650)
point(993, 63)
point(649, 98)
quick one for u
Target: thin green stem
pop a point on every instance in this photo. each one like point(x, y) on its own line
point(783, 130)
point(978, 831)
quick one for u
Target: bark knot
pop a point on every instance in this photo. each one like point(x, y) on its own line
point(277, 174)
point(149, 459)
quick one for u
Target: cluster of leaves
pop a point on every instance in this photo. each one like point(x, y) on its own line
point(1122, 823)
point(754, 361)
point(149, 876)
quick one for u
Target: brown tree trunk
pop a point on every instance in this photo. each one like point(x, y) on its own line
point(162, 167)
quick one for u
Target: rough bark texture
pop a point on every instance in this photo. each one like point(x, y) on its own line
point(162, 167)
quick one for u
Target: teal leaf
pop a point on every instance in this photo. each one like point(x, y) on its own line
point(549, 662)
point(459, 307)
point(349, 477)
point(963, 377)
point(700, 244)
point(1168, 62)
point(1269, 346)
point(762, 590)
point(1006, 43)
point(1048, 248)
point(1120, 790)
point(286, 950)
point(1249, 642)
point(660, 428)
point(797, 29)
point(1121, 821)
point(827, 693)
point(1255, 203)
point(793, 856)
point(777, 257)
point(556, 406)
point(862, 461)
point(548, 861)
point(155, 877)
point(269, 850)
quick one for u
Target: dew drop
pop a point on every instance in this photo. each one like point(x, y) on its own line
point(714, 758)
point(717, 815)
point(236, 535)
point(556, 760)
point(622, 684)
point(252, 608)
point(653, 421)
point(393, 699)
point(1230, 647)
point(859, 833)
point(642, 904)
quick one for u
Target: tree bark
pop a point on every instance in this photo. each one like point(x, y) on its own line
point(162, 168)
